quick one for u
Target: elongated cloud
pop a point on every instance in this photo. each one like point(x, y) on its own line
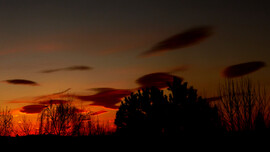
point(242, 69)
point(32, 109)
point(21, 82)
point(98, 112)
point(106, 98)
point(159, 80)
point(53, 101)
point(181, 40)
point(72, 68)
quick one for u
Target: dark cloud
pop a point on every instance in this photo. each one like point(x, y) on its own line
point(72, 68)
point(182, 40)
point(107, 98)
point(80, 110)
point(242, 69)
point(53, 101)
point(159, 80)
point(21, 82)
point(32, 109)
point(98, 112)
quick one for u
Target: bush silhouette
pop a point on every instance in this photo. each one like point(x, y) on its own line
point(151, 112)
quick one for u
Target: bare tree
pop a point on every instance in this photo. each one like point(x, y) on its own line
point(79, 123)
point(26, 126)
point(63, 119)
point(57, 119)
point(243, 102)
point(6, 124)
point(94, 127)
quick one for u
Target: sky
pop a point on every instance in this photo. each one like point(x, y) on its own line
point(96, 52)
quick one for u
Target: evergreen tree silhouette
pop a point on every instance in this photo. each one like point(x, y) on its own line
point(194, 114)
point(151, 112)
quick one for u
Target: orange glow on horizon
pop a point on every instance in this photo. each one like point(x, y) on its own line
point(99, 115)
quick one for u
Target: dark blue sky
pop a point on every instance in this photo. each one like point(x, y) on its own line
point(109, 35)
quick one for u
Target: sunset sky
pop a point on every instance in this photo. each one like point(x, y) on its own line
point(100, 50)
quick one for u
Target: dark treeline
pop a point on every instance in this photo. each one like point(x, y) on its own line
point(241, 108)
point(151, 112)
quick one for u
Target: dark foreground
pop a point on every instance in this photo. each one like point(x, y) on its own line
point(53, 140)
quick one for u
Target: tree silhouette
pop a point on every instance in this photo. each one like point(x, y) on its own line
point(243, 106)
point(6, 125)
point(62, 119)
point(26, 126)
point(151, 112)
point(194, 115)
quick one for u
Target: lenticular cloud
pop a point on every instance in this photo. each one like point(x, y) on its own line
point(21, 82)
point(242, 69)
point(31, 109)
point(185, 39)
point(72, 68)
point(159, 80)
point(106, 97)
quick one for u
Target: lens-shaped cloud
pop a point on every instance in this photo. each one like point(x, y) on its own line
point(182, 40)
point(107, 98)
point(159, 80)
point(242, 69)
point(72, 68)
point(98, 112)
point(53, 101)
point(21, 82)
point(32, 109)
